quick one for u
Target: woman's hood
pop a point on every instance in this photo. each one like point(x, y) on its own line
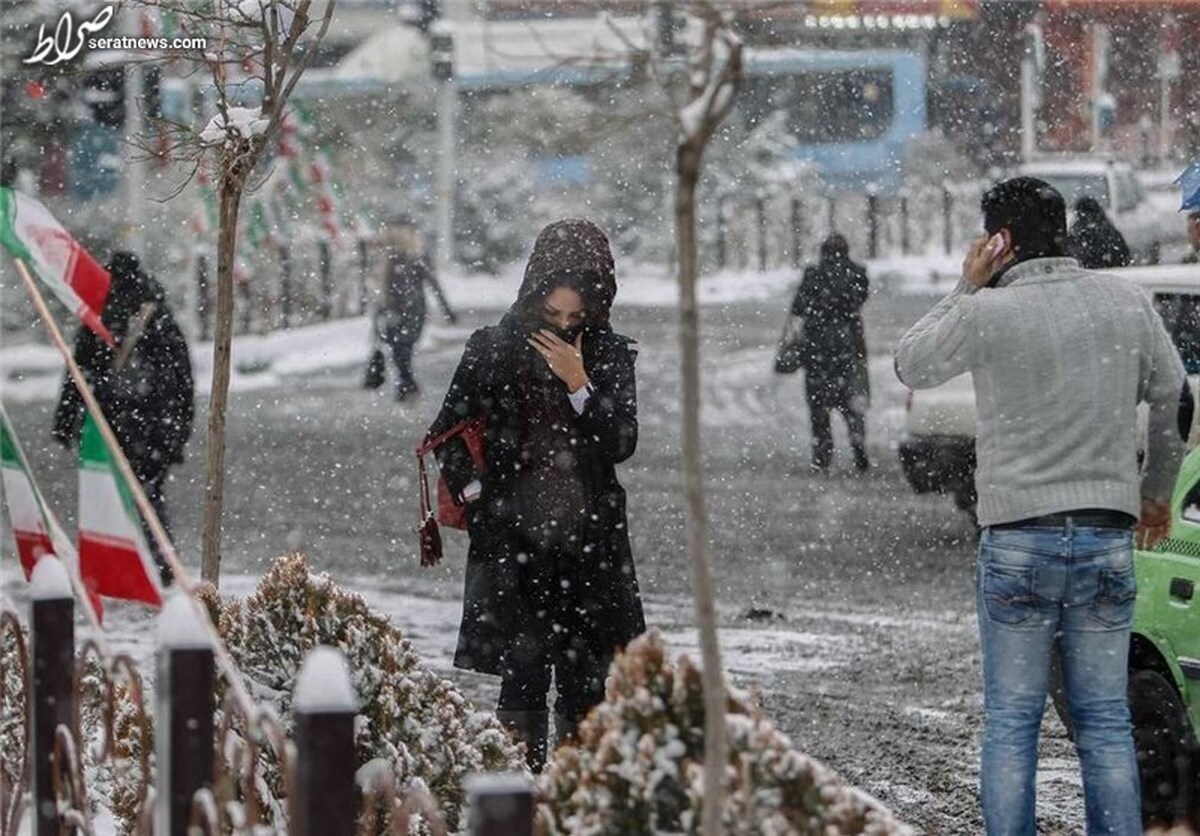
point(571, 253)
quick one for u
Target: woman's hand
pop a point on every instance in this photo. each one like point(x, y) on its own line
point(564, 359)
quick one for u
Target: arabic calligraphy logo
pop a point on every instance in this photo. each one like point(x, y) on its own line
point(61, 43)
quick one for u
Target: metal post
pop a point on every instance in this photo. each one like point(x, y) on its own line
point(323, 709)
point(364, 269)
point(500, 805)
point(52, 695)
point(202, 298)
point(760, 210)
point(441, 47)
point(722, 234)
point(797, 232)
point(872, 225)
point(247, 296)
point(947, 219)
point(905, 242)
point(326, 268)
point(184, 714)
point(1028, 126)
point(285, 284)
point(134, 168)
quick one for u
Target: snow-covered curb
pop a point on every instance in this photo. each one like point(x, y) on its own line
point(33, 371)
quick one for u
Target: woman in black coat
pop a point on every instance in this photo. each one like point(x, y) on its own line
point(550, 582)
point(1094, 241)
point(144, 386)
point(834, 347)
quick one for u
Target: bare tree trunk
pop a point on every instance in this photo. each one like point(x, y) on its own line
point(687, 167)
point(214, 483)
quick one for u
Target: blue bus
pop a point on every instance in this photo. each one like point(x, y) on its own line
point(852, 112)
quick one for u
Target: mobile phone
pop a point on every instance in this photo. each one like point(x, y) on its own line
point(996, 245)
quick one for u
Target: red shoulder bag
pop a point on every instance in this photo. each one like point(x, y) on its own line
point(450, 514)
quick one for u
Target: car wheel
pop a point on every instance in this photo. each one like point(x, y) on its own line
point(1165, 745)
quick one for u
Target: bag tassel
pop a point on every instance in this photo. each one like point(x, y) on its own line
point(427, 529)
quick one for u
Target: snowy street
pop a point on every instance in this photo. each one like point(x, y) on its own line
point(863, 645)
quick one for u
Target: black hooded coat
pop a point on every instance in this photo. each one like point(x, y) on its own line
point(546, 466)
point(150, 399)
point(1094, 241)
point(834, 345)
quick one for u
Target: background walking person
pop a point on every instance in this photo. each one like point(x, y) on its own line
point(833, 349)
point(400, 318)
point(1094, 240)
point(550, 584)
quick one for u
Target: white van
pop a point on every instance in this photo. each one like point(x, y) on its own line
point(937, 444)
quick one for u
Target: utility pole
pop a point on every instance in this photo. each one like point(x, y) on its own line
point(441, 49)
point(1100, 42)
point(1169, 69)
point(1029, 92)
point(134, 180)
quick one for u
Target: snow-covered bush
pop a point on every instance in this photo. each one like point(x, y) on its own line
point(638, 768)
point(411, 719)
point(12, 710)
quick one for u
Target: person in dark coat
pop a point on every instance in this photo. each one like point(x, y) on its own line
point(829, 302)
point(400, 318)
point(144, 385)
point(550, 581)
point(1093, 240)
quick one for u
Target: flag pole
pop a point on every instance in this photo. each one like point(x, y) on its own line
point(58, 539)
point(185, 581)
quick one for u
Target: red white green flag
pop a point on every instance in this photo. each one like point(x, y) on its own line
point(114, 559)
point(26, 513)
point(30, 233)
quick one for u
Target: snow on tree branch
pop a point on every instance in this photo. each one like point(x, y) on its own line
point(715, 73)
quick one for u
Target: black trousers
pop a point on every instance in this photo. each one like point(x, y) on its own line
point(822, 432)
point(402, 343)
point(578, 679)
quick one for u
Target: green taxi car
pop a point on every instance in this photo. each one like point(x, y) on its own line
point(1164, 661)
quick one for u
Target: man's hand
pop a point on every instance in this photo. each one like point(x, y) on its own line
point(981, 263)
point(1154, 525)
point(564, 359)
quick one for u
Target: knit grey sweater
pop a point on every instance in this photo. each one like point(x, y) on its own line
point(1060, 358)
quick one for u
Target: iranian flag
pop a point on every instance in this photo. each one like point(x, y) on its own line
point(30, 233)
point(114, 559)
point(26, 513)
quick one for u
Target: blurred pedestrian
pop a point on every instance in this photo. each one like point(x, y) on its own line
point(400, 317)
point(1060, 357)
point(1093, 240)
point(144, 385)
point(550, 582)
point(833, 349)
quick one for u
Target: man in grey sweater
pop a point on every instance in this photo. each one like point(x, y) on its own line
point(1060, 357)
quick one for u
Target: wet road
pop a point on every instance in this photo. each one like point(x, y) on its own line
point(873, 666)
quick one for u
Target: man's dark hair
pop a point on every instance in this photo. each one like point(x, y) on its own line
point(1033, 212)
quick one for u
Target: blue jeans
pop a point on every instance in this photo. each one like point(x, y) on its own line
point(1035, 585)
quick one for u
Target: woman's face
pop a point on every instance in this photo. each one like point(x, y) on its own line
point(563, 308)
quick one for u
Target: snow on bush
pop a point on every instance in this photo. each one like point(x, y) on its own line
point(12, 710)
point(638, 768)
point(411, 719)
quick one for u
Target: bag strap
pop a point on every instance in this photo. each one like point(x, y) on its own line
point(426, 505)
point(433, 442)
